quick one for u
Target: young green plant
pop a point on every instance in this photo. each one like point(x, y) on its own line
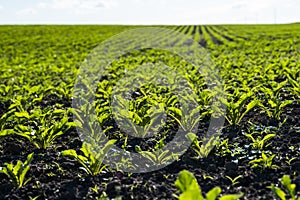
point(275, 103)
point(234, 181)
point(201, 149)
point(42, 128)
point(237, 107)
point(289, 187)
point(259, 143)
point(92, 157)
point(158, 156)
point(16, 173)
point(264, 162)
point(190, 189)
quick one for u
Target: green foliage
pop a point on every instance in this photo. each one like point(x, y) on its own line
point(92, 157)
point(144, 115)
point(187, 116)
point(5, 118)
point(190, 189)
point(264, 162)
point(88, 123)
point(158, 155)
point(43, 127)
point(259, 143)
point(289, 187)
point(275, 104)
point(237, 107)
point(16, 173)
point(294, 80)
point(38, 71)
point(5, 133)
point(202, 148)
point(234, 181)
point(144, 119)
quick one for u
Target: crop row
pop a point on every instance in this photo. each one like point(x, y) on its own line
point(260, 92)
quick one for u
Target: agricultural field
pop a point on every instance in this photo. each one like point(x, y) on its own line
point(254, 156)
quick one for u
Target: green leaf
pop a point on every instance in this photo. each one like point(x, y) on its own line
point(249, 107)
point(176, 111)
point(272, 103)
point(250, 136)
point(277, 191)
point(71, 153)
point(264, 157)
point(5, 133)
point(188, 185)
point(231, 196)
point(280, 85)
point(213, 193)
point(285, 103)
point(287, 183)
point(192, 136)
point(269, 136)
point(149, 155)
point(22, 114)
point(59, 111)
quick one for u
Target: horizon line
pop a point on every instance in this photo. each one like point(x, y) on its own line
point(138, 24)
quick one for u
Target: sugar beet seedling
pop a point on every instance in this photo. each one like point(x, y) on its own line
point(190, 189)
point(237, 107)
point(288, 185)
point(43, 127)
point(92, 157)
point(16, 173)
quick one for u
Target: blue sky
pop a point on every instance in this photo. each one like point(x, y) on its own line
point(148, 11)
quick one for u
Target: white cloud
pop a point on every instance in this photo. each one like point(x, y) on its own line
point(1, 7)
point(77, 6)
point(239, 6)
point(253, 5)
point(27, 11)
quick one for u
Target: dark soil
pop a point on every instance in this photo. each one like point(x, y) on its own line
point(221, 28)
point(224, 36)
point(213, 38)
point(203, 42)
point(56, 177)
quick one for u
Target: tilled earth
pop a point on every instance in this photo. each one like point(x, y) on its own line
point(57, 177)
